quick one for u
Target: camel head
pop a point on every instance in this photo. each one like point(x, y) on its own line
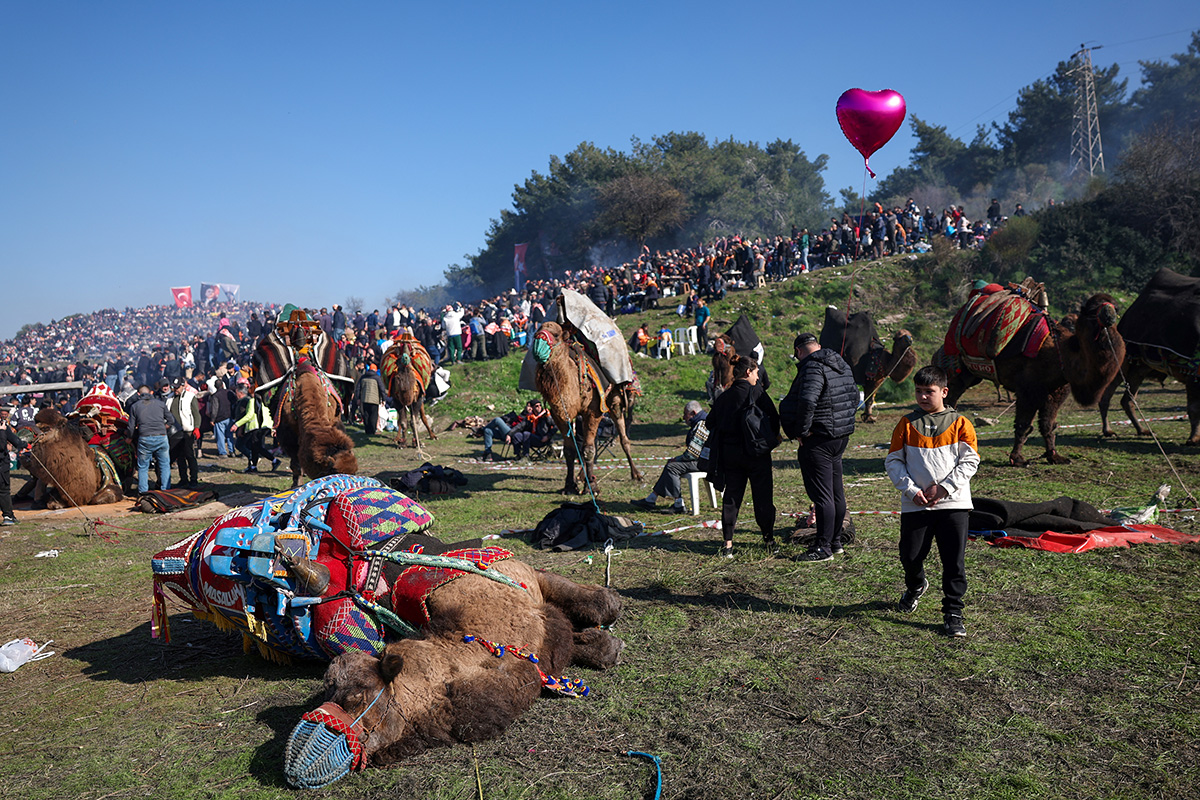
point(48, 419)
point(1093, 355)
point(904, 357)
point(550, 334)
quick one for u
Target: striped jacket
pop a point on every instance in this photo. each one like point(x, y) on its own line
point(927, 449)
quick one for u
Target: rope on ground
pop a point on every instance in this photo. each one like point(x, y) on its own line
point(89, 526)
point(1138, 408)
point(657, 767)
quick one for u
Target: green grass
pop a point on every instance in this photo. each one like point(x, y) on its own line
point(754, 677)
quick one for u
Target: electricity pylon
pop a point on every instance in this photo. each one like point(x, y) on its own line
point(1086, 150)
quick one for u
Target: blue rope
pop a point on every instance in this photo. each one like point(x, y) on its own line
point(657, 765)
point(587, 481)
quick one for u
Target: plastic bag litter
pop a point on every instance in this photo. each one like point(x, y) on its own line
point(21, 651)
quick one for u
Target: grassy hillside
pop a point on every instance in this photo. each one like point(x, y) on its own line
point(755, 678)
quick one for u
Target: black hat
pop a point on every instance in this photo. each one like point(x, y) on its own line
point(803, 339)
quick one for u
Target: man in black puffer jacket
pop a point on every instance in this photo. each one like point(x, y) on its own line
point(825, 399)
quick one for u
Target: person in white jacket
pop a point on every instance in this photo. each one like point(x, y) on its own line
point(933, 454)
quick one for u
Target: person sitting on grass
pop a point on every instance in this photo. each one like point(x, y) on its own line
point(933, 454)
point(669, 482)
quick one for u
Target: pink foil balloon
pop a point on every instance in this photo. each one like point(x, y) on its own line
point(870, 119)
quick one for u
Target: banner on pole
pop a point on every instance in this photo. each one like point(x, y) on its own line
point(519, 266)
point(210, 293)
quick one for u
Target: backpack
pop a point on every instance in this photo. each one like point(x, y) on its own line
point(758, 438)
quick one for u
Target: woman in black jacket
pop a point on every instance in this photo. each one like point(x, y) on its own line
point(743, 429)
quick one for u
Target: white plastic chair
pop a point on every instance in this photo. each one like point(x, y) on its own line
point(694, 479)
point(691, 340)
point(679, 340)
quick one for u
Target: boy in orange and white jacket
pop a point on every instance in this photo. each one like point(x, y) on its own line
point(934, 453)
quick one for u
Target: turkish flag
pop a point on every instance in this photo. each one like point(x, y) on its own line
point(182, 295)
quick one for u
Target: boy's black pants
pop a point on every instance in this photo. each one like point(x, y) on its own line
point(918, 530)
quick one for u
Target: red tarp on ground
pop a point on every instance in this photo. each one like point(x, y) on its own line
point(1116, 536)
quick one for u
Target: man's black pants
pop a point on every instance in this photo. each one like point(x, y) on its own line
point(821, 465)
point(918, 530)
point(183, 452)
point(370, 416)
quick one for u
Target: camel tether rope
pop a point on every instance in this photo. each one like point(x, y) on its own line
point(1153, 435)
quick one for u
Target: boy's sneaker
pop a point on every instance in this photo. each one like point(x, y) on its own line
point(274, 464)
point(837, 548)
point(771, 545)
point(250, 469)
point(677, 508)
point(813, 556)
point(910, 598)
point(953, 626)
point(9, 521)
point(726, 551)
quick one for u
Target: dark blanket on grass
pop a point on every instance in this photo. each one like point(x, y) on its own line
point(1064, 514)
point(165, 501)
point(575, 525)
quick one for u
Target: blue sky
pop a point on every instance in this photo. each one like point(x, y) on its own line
point(314, 151)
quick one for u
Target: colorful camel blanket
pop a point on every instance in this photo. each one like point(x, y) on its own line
point(274, 358)
point(285, 396)
point(991, 319)
point(411, 589)
point(406, 349)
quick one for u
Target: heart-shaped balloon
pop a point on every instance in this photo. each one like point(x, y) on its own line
point(870, 119)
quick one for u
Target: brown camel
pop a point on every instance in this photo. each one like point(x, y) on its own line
point(573, 399)
point(68, 472)
point(309, 426)
point(1079, 360)
point(445, 688)
point(406, 370)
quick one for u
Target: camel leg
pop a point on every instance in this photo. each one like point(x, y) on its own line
point(1106, 398)
point(634, 473)
point(1133, 382)
point(590, 426)
point(564, 430)
point(597, 649)
point(1048, 423)
point(399, 440)
point(428, 423)
point(1022, 428)
point(1193, 411)
point(585, 606)
point(412, 422)
point(869, 390)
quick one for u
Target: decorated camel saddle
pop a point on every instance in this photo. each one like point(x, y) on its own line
point(993, 318)
point(336, 565)
point(405, 350)
point(296, 335)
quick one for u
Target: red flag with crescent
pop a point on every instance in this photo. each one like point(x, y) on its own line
point(182, 295)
